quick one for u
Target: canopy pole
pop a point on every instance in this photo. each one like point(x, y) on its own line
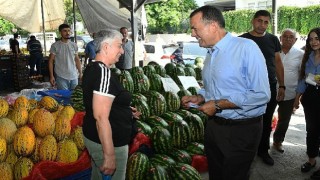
point(74, 21)
point(275, 17)
point(133, 31)
point(43, 30)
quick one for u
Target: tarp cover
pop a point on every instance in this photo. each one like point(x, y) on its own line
point(27, 15)
point(102, 14)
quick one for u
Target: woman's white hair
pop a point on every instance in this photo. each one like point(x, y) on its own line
point(105, 36)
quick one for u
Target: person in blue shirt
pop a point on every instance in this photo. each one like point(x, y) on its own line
point(90, 52)
point(308, 93)
point(235, 95)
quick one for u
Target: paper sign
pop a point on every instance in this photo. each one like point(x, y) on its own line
point(188, 81)
point(170, 85)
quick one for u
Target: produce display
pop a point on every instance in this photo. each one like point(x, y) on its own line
point(32, 133)
point(169, 143)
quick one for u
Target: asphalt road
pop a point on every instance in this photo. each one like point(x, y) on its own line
point(287, 164)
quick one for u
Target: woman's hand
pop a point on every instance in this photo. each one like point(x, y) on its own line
point(135, 113)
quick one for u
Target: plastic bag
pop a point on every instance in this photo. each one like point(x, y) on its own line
point(200, 163)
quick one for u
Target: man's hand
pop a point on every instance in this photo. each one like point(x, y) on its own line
point(280, 95)
point(208, 108)
point(52, 81)
point(195, 99)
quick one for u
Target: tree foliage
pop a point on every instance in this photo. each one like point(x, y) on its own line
point(171, 16)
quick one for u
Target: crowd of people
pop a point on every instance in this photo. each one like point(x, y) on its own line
point(245, 79)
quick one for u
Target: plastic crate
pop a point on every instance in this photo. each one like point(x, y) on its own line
point(83, 175)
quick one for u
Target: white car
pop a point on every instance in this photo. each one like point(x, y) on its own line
point(157, 53)
point(4, 44)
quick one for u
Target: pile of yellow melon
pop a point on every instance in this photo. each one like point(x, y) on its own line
point(32, 131)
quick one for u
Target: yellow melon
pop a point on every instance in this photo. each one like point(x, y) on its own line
point(22, 168)
point(67, 151)
point(7, 129)
point(6, 172)
point(3, 149)
point(4, 108)
point(43, 123)
point(24, 141)
point(48, 148)
point(21, 102)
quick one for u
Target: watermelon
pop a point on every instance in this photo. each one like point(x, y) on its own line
point(198, 72)
point(136, 70)
point(76, 98)
point(142, 107)
point(171, 117)
point(144, 128)
point(180, 156)
point(157, 173)
point(157, 102)
point(201, 114)
point(190, 72)
point(183, 113)
point(155, 121)
point(149, 70)
point(195, 148)
point(180, 133)
point(170, 69)
point(184, 171)
point(160, 70)
point(196, 128)
point(126, 80)
point(141, 83)
point(199, 60)
point(115, 70)
point(137, 166)
point(161, 140)
point(184, 92)
point(193, 90)
point(173, 101)
point(162, 160)
point(156, 83)
point(136, 96)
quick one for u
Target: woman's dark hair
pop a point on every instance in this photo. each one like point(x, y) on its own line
point(307, 52)
point(210, 14)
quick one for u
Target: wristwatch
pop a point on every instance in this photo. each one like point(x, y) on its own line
point(284, 87)
point(218, 108)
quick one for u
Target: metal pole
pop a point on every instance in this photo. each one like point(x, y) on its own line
point(274, 18)
point(74, 21)
point(133, 31)
point(43, 30)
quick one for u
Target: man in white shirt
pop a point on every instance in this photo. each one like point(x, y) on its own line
point(291, 59)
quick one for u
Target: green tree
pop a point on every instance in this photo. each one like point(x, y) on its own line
point(68, 7)
point(6, 28)
point(171, 16)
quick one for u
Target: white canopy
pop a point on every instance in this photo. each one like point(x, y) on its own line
point(27, 14)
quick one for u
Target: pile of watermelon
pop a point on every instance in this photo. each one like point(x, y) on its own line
point(175, 135)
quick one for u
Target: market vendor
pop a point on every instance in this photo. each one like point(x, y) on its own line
point(107, 124)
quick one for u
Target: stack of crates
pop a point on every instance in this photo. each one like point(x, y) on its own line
point(5, 72)
point(20, 72)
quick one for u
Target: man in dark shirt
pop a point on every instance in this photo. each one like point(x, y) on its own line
point(36, 57)
point(14, 44)
point(269, 45)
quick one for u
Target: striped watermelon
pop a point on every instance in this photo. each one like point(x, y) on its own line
point(196, 128)
point(156, 83)
point(179, 71)
point(157, 103)
point(190, 72)
point(137, 166)
point(183, 113)
point(162, 160)
point(171, 117)
point(201, 114)
point(180, 133)
point(149, 70)
point(136, 70)
point(160, 70)
point(141, 83)
point(144, 128)
point(155, 121)
point(193, 90)
point(180, 65)
point(170, 69)
point(136, 96)
point(184, 92)
point(126, 80)
point(161, 140)
point(195, 148)
point(198, 72)
point(173, 101)
point(76, 98)
point(180, 156)
point(184, 171)
point(157, 173)
point(142, 107)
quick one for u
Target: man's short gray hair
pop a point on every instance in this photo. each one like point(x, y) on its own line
point(291, 30)
point(105, 36)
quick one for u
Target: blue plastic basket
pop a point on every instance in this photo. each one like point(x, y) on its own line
point(62, 96)
point(83, 175)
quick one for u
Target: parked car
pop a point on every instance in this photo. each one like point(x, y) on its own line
point(4, 44)
point(191, 50)
point(82, 41)
point(157, 53)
